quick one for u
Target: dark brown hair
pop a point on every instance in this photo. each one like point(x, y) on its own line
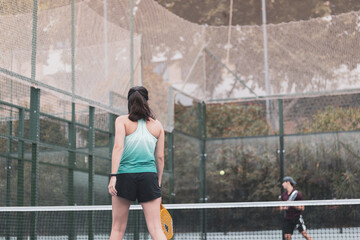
point(138, 104)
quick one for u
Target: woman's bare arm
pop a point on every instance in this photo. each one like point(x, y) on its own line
point(117, 152)
point(159, 153)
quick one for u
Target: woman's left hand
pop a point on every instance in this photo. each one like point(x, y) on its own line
point(111, 186)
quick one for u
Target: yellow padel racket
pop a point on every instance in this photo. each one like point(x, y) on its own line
point(166, 222)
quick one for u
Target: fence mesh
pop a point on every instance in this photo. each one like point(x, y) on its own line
point(318, 56)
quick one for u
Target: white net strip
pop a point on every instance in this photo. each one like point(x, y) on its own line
point(335, 202)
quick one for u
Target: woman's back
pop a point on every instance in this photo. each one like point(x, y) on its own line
point(139, 146)
point(152, 126)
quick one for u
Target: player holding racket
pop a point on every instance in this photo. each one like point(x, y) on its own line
point(137, 165)
point(293, 218)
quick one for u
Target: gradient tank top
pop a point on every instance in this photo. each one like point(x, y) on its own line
point(139, 151)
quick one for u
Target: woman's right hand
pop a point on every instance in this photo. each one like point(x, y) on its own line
point(111, 186)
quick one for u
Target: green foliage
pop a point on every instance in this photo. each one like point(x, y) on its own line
point(3, 130)
point(235, 120)
point(249, 175)
point(52, 132)
point(223, 120)
point(324, 165)
point(330, 162)
point(186, 118)
point(186, 168)
point(334, 119)
point(58, 191)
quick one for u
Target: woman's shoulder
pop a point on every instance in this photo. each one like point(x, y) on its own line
point(122, 118)
point(155, 122)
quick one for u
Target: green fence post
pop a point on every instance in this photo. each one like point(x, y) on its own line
point(91, 142)
point(202, 165)
point(71, 167)
point(8, 170)
point(281, 138)
point(112, 119)
point(72, 130)
point(281, 150)
point(8, 162)
point(20, 182)
point(170, 137)
point(34, 137)
point(34, 126)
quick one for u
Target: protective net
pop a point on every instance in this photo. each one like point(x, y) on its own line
point(332, 219)
point(93, 51)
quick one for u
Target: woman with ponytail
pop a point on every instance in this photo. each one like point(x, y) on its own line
point(137, 165)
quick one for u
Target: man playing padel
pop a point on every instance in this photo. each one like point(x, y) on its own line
point(293, 218)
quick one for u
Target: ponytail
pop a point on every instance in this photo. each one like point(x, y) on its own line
point(138, 106)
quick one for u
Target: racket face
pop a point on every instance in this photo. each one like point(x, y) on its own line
point(166, 222)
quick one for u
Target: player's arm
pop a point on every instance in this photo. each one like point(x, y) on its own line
point(159, 153)
point(117, 152)
point(281, 208)
point(118, 144)
point(300, 208)
point(284, 207)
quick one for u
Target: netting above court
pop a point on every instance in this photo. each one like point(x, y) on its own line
point(85, 52)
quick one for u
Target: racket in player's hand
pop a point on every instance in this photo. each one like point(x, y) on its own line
point(166, 222)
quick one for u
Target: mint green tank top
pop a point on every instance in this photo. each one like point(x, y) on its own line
point(139, 151)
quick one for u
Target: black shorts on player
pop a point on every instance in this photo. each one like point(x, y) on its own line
point(291, 224)
point(143, 186)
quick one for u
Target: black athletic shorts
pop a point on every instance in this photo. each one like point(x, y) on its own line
point(141, 186)
point(290, 224)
